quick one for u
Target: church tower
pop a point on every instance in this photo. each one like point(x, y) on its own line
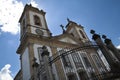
point(33, 21)
point(77, 31)
point(33, 28)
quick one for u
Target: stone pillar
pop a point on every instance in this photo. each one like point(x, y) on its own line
point(45, 56)
point(113, 64)
point(110, 46)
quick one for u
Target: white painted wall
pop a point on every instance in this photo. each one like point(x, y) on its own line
point(35, 47)
point(26, 65)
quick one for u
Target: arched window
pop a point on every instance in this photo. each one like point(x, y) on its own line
point(82, 34)
point(37, 20)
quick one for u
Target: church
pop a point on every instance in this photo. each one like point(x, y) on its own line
point(67, 56)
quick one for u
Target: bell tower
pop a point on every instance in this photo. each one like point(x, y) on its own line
point(33, 21)
point(33, 31)
point(77, 31)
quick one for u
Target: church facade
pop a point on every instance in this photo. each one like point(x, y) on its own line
point(68, 56)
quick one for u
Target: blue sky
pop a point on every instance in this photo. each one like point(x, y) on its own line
point(100, 15)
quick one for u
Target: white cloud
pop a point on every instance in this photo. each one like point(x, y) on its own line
point(5, 73)
point(10, 12)
point(118, 46)
point(33, 3)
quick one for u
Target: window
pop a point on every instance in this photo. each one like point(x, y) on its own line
point(65, 59)
point(83, 36)
point(86, 61)
point(77, 60)
point(39, 54)
point(37, 20)
point(97, 60)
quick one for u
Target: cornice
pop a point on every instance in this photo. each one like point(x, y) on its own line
point(35, 39)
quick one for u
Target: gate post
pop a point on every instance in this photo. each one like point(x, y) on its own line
point(110, 45)
point(113, 64)
point(45, 56)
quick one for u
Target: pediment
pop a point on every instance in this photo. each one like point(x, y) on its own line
point(67, 38)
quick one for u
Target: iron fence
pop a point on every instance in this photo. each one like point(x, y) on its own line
point(105, 75)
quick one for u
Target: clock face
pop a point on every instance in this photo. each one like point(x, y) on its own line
point(39, 32)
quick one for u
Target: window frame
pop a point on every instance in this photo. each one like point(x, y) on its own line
point(76, 59)
point(82, 34)
point(37, 20)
